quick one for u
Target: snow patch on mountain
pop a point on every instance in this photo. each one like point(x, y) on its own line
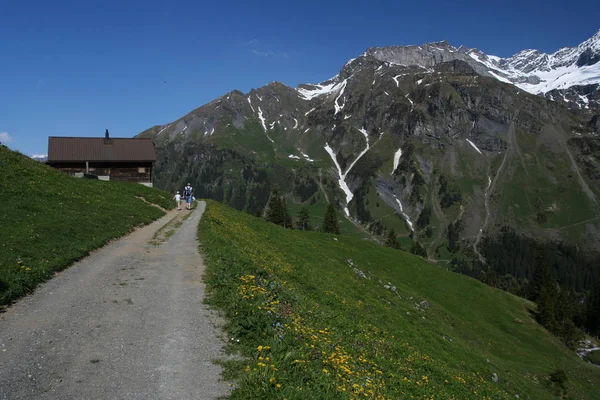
point(306, 157)
point(162, 130)
point(475, 147)
point(406, 217)
point(563, 78)
point(342, 178)
point(335, 103)
point(342, 175)
point(397, 156)
point(262, 119)
point(318, 90)
point(264, 125)
point(412, 105)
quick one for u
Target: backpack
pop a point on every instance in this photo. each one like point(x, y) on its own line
point(187, 191)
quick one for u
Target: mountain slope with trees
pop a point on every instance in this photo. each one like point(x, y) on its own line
point(419, 139)
point(319, 315)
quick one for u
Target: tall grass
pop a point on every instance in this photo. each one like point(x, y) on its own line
point(334, 317)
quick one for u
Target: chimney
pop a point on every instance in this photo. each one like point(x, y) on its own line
point(106, 137)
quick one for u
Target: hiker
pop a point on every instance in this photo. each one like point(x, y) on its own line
point(187, 193)
point(178, 200)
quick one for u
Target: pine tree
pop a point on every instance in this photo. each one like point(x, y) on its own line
point(564, 311)
point(392, 240)
point(542, 278)
point(330, 223)
point(418, 250)
point(546, 307)
point(593, 310)
point(275, 212)
point(287, 218)
point(303, 222)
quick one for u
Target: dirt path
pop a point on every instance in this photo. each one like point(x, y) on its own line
point(126, 322)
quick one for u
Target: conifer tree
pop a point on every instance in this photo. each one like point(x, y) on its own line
point(275, 212)
point(418, 250)
point(303, 222)
point(542, 278)
point(391, 240)
point(593, 310)
point(287, 218)
point(546, 307)
point(330, 223)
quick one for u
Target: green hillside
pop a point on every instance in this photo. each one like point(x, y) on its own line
point(323, 316)
point(49, 220)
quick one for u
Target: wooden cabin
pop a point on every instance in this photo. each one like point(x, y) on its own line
point(119, 159)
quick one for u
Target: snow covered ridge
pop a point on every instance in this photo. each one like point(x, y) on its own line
point(310, 91)
point(530, 70)
point(539, 73)
point(316, 90)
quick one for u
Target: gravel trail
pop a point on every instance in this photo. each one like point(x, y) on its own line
point(127, 322)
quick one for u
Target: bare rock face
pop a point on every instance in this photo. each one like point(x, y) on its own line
point(588, 57)
point(427, 56)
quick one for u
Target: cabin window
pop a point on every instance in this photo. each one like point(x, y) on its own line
point(141, 170)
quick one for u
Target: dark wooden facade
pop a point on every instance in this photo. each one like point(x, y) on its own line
point(129, 172)
point(129, 160)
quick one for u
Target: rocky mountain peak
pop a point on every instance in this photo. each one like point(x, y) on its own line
point(571, 74)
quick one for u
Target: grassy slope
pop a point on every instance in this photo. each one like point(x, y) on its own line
point(50, 220)
point(334, 334)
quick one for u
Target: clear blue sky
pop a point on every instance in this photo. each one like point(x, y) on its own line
point(75, 68)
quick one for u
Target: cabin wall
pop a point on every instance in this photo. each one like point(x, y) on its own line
point(130, 172)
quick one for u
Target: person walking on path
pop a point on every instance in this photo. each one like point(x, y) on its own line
point(178, 200)
point(188, 193)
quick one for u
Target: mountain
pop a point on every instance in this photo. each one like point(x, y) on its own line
point(571, 75)
point(428, 140)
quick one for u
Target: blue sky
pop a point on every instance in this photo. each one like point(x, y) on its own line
point(75, 68)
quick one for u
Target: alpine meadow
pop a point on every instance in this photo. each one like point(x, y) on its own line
point(425, 224)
